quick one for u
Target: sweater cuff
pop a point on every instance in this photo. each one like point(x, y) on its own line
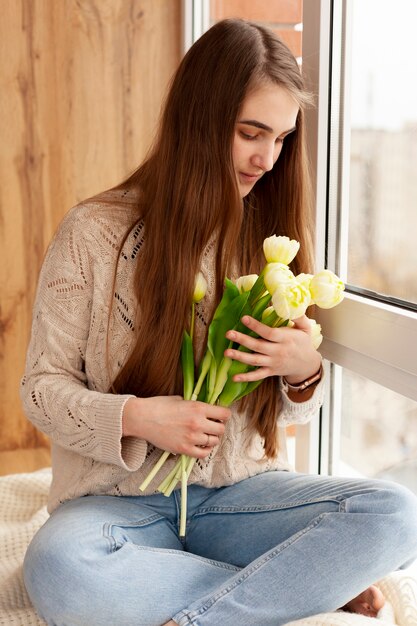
point(300, 412)
point(127, 452)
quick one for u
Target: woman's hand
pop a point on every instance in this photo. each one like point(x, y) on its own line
point(179, 426)
point(278, 351)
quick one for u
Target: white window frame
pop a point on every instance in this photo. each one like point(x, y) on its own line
point(372, 338)
point(195, 21)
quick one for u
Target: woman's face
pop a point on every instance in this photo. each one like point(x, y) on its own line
point(267, 116)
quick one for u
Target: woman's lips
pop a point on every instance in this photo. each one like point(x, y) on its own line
point(249, 178)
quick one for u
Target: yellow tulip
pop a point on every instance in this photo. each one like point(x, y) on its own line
point(200, 288)
point(291, 299)
point(326, 289)
point(267, 312)
point(305, 279)
point(245, 283)
point(275, 274)
point(316, 336)
point(280, 249)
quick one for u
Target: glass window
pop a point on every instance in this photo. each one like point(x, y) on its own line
point(378, 432)
point(382, 253)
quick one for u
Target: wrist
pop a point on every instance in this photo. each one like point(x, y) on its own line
point(130, 415)
point(300, 386)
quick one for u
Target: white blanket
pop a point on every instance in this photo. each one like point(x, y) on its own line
point(23, 511)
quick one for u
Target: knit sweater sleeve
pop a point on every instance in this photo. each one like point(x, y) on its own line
point(301, 412)
point(55, 389)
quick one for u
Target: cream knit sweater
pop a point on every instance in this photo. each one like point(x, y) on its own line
point(64, 389)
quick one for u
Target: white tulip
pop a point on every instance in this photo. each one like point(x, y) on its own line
point(290, 300)
point(326, 289)
point(316, 336)
point(280, 249)
point(200, 288)
point(276, 274)
point(245, 283)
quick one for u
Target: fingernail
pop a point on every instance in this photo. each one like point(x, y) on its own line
point(246, 319)
point(230, 334)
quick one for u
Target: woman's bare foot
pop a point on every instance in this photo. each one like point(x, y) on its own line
point(369, 602)
point(170, 623)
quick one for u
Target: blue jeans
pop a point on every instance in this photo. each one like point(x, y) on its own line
point(268, 550)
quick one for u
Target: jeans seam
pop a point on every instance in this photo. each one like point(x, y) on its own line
point(204, 560)
point(249, 570)
point(266, 507)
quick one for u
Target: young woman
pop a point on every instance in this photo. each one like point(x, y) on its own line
point(264, 545)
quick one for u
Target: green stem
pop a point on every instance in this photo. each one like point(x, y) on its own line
point(168, 479)
point(205, 366)
point(192, 321)
point(176, 477)
point(183, 515)
point(154, 470)
point(221, 378)
point(191, 464)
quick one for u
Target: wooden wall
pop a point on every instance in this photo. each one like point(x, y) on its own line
point(81, 83)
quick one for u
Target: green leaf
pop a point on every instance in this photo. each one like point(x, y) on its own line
point(262, 304)
point(250, 386)
point(203, 395)
point(257, 289)
point(233, 389)
point(187, 364)
point(211, 379)
point(229, 319)
point(231, 289)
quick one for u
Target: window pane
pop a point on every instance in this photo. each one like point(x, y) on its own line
point(383, 181)
point(378, 432)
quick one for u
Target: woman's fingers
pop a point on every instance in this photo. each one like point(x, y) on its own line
point(276, 351)
point(171, 423)
point(258, 374)
point(250, 358)
point(303, 323)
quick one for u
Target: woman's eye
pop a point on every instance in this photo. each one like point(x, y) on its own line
point(247, 136)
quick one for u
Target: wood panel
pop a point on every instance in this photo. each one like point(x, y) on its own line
point(27, 460)
point(81, 83)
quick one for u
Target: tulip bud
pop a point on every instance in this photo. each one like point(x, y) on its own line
point(200, 288)
point(326, 289)
point(245, 283)
point(275, 274)
point(280, 249)
point(267, 313)
point(316, 336)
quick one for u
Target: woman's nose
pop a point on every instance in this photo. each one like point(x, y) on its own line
point(265, 158)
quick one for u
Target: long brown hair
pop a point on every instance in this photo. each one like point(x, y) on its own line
point(188, 191)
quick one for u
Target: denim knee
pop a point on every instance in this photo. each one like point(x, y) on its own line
point(404, 502)
point(56, 578)
point(397, 525)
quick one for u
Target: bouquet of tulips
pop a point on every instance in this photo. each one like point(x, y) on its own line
point(275, 297)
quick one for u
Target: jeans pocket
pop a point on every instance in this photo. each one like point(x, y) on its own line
point(118, 533)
